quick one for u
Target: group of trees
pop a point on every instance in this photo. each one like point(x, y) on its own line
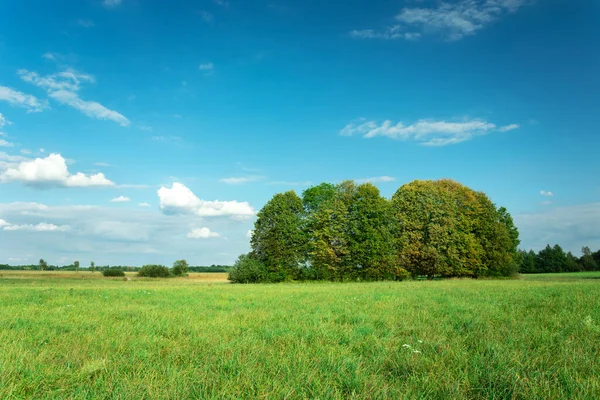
point(349, 231)
point(554, 259)
point(75, 266)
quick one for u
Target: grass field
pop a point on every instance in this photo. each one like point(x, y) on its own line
point(67, 335)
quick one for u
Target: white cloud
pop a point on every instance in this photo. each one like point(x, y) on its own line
point(241, 179)
point(66, 80)
point(40, 227)
point(3, 121)
point(376, 179)
point(571, 227)
point(51, 172)
point(14, 97)
point(144, 205)
point(4, 143)
point(207, 68)
point(393, 32)
point(89, 108)
point(424, 132)
point(547, 194)
point(451, 21)
point(63, 87)
point(120, 199)
point(222, 3)
point(111, 3)
point(85, 23)
point(180, 200)
point(25, 151)
point(202, 233)
point(207, 17)
point(508, 128)
point(102, 164)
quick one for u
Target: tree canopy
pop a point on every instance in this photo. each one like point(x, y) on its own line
point(348, 231)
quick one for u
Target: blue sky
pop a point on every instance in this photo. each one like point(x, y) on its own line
point(194, 113)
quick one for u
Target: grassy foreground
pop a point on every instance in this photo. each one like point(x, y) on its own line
point(85, 337)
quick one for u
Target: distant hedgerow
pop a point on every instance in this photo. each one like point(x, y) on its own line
point(154, 271)
point(113, 272)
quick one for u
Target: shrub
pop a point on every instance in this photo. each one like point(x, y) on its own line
point(180, 268)
point(113, 272)
point(154, 271)
point(248, 269)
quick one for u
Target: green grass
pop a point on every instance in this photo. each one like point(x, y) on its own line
point(76, 337)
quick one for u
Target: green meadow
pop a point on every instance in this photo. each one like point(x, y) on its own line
point(78, 335)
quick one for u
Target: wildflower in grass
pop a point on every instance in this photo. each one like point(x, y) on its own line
point(407, 346)
point(416, 351)
point(420, 341)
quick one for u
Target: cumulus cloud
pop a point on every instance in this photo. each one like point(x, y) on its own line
point(63, 87)
point(180, 200)
point(202, 233)
point(49, 172)
point(424, 132)
point(449, 20)
point(376, 179)
point(546, 194)
point(16, 98)
point(120, 199)
point(4, 143)
point(241, 179)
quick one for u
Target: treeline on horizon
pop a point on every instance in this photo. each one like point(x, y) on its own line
point(100, 268)
point(349, 232)
point(554, 259)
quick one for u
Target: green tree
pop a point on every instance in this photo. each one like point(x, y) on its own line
point(371, 251)
point(43, 265)
point(572, 263)
point(247, 269)
point(587, 261)
point(279, 240)
point(180, 268)
point(76, 265)
point(92, 266)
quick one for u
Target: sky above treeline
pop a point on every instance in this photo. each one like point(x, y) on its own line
point(137, 131)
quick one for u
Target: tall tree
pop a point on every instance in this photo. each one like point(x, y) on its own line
point(92, 266)
point(370, 240)
point(587, 261)
point(43, 265)
point(279, 241)
point(76, 265)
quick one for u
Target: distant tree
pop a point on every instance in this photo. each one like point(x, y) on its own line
point(279, 241)
point(587, 261)
point(92, 266)
point(180, 268)
point(596, 257)
point(551, 259)
point(572, 263)
point(76, 265)
point(112, 272)
point(43, 265)
point(527, 262)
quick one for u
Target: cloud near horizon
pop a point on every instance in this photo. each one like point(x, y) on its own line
point(179, 199)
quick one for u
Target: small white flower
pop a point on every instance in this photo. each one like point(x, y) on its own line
point(420, 341)
point(416, 351)
point(407, 346)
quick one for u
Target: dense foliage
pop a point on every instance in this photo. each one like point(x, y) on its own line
point(113, 272)
point(180, 268)
point(154, 271)
point(554, 259)
point(350, 232)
